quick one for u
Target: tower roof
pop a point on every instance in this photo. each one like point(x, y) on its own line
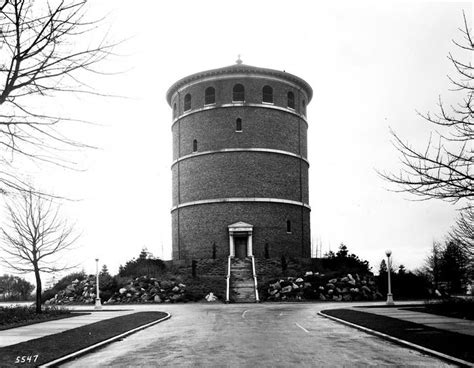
point(238, 69)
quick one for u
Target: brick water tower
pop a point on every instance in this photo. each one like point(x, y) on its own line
point(240, 167)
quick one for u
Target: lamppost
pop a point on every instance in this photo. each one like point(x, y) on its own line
point(388, 252)
point(97, 298)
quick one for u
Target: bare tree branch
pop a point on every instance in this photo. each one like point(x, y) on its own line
point(43, 54)
point(443, 170)
point(36, 238)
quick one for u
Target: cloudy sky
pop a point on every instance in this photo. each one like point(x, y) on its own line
point(372, 65)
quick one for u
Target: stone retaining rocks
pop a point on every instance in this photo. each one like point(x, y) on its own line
point(139, 290)
point(313, 286)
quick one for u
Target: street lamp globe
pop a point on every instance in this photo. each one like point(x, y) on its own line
point(388, 252)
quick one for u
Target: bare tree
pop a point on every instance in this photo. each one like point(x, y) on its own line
point(443, 170)
point(463, 231)
point(36, 238)
point(45, 50)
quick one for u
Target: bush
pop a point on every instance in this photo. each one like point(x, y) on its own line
point(62, 284)
point(22, 314)
point(452, 307)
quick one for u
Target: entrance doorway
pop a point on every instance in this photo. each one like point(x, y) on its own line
point(240, 243)
point(240, 240)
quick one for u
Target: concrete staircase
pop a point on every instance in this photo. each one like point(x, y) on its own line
point(242, 284)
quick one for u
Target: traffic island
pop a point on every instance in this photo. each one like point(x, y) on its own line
point(451, 346)
point(58, 348)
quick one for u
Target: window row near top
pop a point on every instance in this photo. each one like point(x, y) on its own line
point(238, 95)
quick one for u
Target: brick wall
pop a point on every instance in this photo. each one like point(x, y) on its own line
point(246, 174)
point(203, 225)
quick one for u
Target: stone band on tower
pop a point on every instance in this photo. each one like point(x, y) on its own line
point(240, 168)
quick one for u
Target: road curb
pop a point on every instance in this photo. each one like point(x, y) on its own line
point(396, 340)
point(103, 343)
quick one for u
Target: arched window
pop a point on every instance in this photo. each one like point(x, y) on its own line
point(288, 226)
point(291, 100)
point(209, 96)
point(238, 125)
point(238, 93)
point(267, 93)
point(175, 110)
point(303, 104)
point(187, 102)
point(195, 145)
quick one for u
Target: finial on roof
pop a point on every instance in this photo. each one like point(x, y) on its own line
point(239, 60)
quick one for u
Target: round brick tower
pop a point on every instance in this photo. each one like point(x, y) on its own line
point(240, 168)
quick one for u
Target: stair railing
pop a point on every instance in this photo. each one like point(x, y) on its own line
point(255, 278)
point(227, 292)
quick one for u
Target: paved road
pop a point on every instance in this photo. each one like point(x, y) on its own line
point(252, 335)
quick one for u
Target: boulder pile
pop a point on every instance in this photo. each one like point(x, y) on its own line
point(139, 290)
point(149, 290)
point(76, 292)
point(315, 286)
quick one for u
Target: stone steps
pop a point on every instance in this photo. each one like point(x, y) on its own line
point(242, 286)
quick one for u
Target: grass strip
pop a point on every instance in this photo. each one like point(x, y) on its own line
point(41, 319)
point(446, 342)
point(48, 348)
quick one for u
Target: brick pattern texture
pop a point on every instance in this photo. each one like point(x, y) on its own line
point(218, 174)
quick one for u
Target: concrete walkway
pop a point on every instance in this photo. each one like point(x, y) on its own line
point(461, 326)
point(34, 331)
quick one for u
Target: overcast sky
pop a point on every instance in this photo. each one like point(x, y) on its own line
point(371, 65)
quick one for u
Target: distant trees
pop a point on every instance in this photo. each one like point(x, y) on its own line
point(462, 232)
point(145, 265)
point(35, 239)
point(15, 288)
point(448, 266)
point(345, 262)
point(405, 284)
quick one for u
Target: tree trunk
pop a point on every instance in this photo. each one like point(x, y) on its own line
point(38, 290)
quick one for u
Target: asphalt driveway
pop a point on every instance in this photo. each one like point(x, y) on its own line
point(251, 335)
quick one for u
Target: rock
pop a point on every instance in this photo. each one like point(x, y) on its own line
point(322, 297)
point(347, 297)
point(330, 285)
point(181, 286)
point(299, 279)
point(309, 273)
point(175, 289)
point(307, 285)
point(366, 289)
point(276, 285)
point(122, 290)
point(332, 281)
point(211, 297)
point(286, 289)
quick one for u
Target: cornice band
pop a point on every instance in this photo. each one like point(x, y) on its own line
point(233, 200)
point(240, 104)
point(230, 150)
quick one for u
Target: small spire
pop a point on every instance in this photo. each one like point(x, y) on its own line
point(239, 60)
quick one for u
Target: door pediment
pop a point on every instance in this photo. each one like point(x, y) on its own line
point(240, 226)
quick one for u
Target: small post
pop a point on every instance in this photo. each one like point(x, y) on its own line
point(388, 252)
point(98, 305)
